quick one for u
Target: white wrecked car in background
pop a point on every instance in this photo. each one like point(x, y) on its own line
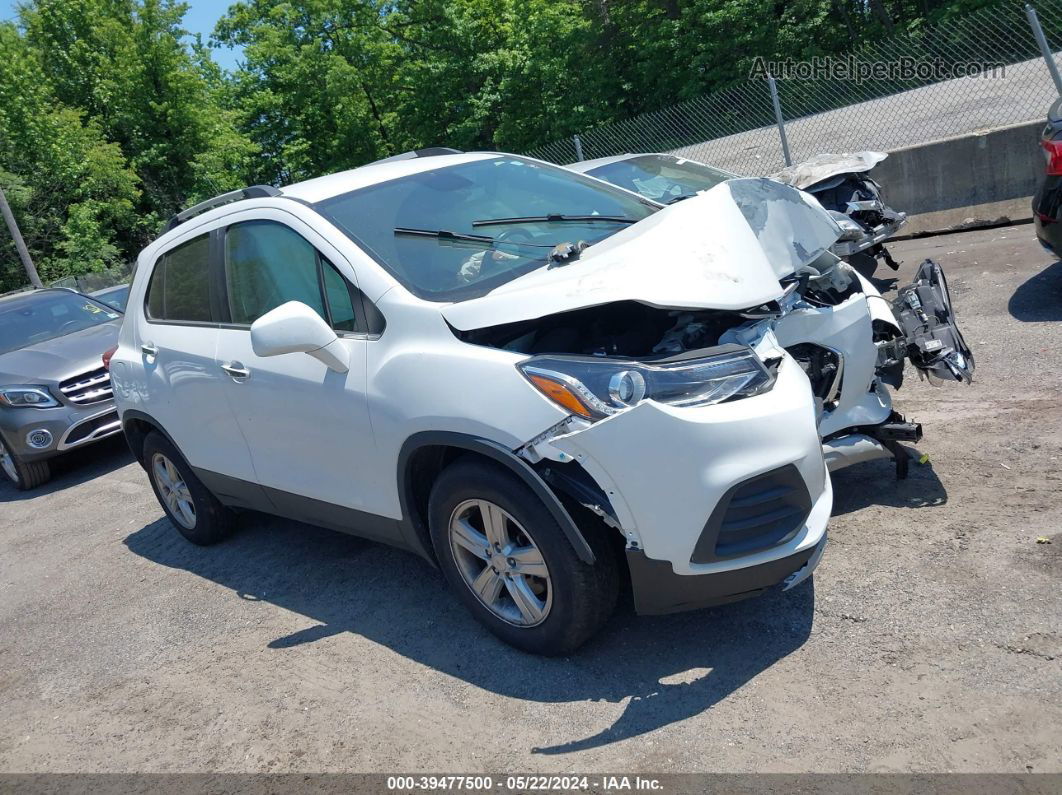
point(840, 183)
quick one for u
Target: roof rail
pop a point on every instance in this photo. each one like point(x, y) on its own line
point(431, 151)
point(253, 192)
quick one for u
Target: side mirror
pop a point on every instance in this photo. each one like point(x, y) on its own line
point(295, 328)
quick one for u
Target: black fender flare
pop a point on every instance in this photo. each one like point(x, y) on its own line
point(134, 414)
point(502, 456)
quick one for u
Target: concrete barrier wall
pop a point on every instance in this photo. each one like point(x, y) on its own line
point(985, 177)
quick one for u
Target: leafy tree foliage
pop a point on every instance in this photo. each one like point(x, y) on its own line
point(111, 119)
point(109, 124)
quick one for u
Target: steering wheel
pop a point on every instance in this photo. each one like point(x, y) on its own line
point(76, 324)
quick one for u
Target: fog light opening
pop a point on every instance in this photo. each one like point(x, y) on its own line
point(40, 439)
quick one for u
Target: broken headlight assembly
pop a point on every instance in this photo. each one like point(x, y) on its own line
point(595, 388)
point(850, 229)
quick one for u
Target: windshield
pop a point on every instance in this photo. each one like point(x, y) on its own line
point(662, 178)
point(513, 194)
point(40, 316)
point(116, 297)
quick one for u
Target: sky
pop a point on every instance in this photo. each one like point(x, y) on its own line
point(201, 16)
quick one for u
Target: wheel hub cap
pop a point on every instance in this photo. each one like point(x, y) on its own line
point(174, 491)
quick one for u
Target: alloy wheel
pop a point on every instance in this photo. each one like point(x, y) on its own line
point(500, 562)
point(174, 491)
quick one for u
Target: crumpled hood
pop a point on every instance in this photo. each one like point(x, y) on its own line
point(723, 249)
point(52, 361)
point(821, 167)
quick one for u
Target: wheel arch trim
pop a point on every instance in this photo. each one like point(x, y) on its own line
point(134, 414)
point(499, 454)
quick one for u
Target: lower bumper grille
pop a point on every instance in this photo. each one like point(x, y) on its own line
point(90, 430)
point(756, 514)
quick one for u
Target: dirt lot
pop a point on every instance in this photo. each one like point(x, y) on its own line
point(930, 639)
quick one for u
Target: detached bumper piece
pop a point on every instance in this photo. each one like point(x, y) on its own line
point(658, 590)
point(934, 343)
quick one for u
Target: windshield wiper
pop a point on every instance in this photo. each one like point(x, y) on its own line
point(556, 218)
point(681, 197)
point(483, 240)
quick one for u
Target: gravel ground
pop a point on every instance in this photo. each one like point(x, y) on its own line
point(929, 640)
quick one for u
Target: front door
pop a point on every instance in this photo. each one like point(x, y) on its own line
point(307, 426)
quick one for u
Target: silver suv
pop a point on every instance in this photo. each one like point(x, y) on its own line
point(55, 392)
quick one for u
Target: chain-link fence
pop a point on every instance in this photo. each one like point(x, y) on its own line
point(834, 105)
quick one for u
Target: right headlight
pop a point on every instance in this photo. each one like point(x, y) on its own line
point(596, 388)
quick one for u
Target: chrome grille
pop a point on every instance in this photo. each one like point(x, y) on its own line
point(91, 387)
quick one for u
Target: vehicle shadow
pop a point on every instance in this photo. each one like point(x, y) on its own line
point(883, 285)
point(670, 668)
point(74, 468)
point(874, 483)
point(1039, 298)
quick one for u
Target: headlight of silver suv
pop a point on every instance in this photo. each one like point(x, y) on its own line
point(27, 397)
point(596, 388)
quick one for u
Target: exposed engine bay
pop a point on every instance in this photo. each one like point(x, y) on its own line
point(629, 329)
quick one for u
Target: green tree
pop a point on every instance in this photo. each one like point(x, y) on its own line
point(71, 190)
point(124, 63)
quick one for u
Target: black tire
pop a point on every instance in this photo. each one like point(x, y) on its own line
point(28, 474)
point(582, 596)
point(213, 522)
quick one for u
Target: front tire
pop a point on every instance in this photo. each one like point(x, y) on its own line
point(24, 474)
point(508, 560)
point(191, 508)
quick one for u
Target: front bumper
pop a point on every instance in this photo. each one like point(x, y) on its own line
point(668, 473)
point(879, 234)
point(658, 590)
point(68, 426)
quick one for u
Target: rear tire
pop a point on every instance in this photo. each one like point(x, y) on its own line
point(508, 560)
point(191, 508)
point(24, 474)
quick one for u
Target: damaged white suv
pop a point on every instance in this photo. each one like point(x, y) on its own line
point(519, 373)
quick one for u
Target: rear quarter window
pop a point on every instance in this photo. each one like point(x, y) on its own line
point(179, 290)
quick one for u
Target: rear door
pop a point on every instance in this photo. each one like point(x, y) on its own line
point(177, 337)
point(307, 427)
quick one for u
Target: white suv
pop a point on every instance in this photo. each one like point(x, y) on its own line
point(522, 374)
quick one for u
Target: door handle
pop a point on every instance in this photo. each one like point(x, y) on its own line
point(236, 370)
point(149, 349)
